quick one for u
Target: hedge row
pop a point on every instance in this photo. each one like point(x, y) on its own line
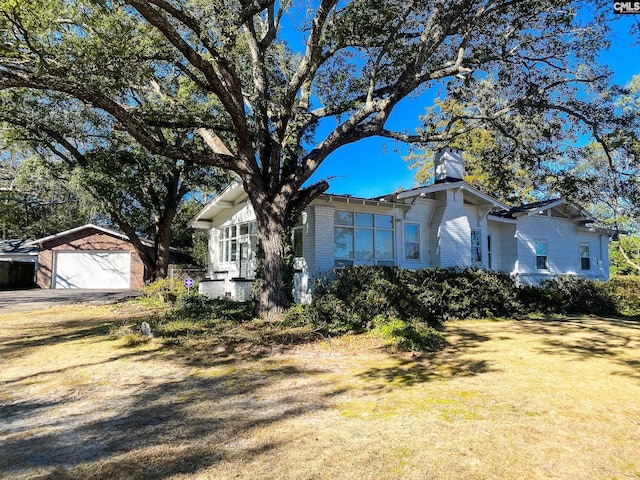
point(355, 299)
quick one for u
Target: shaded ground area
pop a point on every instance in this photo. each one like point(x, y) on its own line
point(34, 299)
point(554, 398)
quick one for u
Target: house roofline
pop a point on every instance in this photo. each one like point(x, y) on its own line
point(108, 231)
point(382, 202)
point(610, 232)
point(42, 240)
point(224, 200)
point(438, 187)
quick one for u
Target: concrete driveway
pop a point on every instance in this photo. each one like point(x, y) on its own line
point(37, 299)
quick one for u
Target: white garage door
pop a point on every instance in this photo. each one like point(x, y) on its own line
point(92, 270)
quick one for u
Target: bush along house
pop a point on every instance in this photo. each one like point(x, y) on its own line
point(447, 224)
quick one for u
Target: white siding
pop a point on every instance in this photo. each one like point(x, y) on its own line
point(455, 233)
point(421, 212)
point(563, 249)
point(434, 235)
point(505, 247)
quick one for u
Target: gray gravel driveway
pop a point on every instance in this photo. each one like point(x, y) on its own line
point(36, 299)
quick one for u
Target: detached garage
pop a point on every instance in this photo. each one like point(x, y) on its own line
point(89, 257)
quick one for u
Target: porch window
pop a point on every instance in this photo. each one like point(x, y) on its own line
point(585, 257)
point(231, 238)
point(363, 238)
point(411, 241)
point(476, 245)
point(541, 255)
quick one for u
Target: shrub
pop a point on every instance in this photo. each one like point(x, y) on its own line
point(411, 336)
point(625, 291)
point(165, 289)
point(429, 295)
point(328, 315)
point(403, 304)
point(202, 307)
point(575, 295)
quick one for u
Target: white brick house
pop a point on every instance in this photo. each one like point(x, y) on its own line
point(449, 223)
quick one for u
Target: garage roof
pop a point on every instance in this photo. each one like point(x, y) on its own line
point(88, 226)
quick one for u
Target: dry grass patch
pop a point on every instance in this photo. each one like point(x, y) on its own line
point(548, 398)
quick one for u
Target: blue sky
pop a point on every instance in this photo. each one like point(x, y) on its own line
point(375, 167)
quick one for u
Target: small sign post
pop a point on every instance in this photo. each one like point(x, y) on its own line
point(188, 282)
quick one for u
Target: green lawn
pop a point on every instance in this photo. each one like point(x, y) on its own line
point(555, 398)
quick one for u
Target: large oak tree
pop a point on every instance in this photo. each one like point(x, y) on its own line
point(268, 89)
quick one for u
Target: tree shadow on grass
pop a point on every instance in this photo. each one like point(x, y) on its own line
point(179, 426)
point(409, 373)
point(436, 366)
point(50, 335)
point(584, 338)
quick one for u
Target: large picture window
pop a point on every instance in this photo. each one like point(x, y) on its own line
point(363, 238)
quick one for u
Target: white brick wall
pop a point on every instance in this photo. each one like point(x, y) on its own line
point(324, 221)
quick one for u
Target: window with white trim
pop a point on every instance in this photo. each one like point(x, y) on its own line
point(476, 245)
point(297, 242)
point(585, 257)
point(363, 238)
point(232, 236)
point(411, 241)
point(542, 260)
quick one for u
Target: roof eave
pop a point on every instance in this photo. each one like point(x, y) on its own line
point(326, 197)
point(108, 231)
point(227, 198)
point(438, 187)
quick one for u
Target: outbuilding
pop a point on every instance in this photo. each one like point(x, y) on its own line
point(18, 261)
point(90, 257)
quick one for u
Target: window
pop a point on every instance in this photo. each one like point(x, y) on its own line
point(489, 259)
point(297, 242)
point(411, 241)
point(585, 257)
point(476, 245)
point(541, 255)
point(365, 238)
point(232, 237)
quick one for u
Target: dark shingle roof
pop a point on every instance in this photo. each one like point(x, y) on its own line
point(17, 247)
point(529, 207)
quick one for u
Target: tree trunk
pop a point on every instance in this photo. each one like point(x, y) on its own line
point(275, 215)
point(274, 297)
point(163, 242)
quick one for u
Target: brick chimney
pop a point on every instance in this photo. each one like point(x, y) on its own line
point(449, 166)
